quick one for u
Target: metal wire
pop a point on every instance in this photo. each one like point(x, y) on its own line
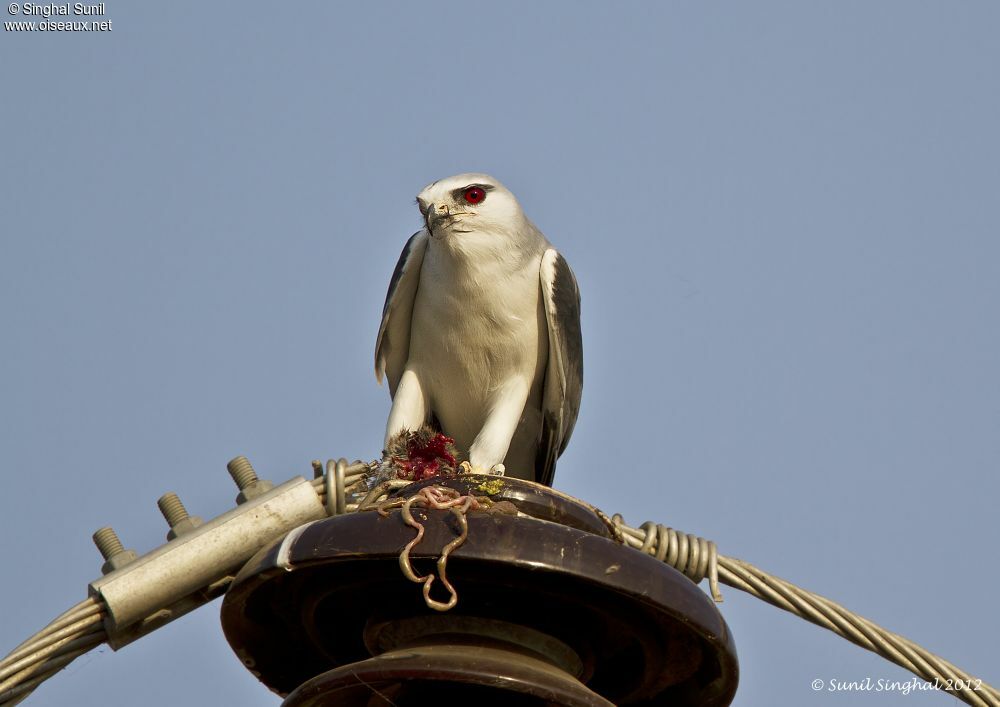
point(45, 646)
point(70, 635)
point(80, 629)
point(85, 608)
point(441, 498)
point(698, 559)
point(334, 485)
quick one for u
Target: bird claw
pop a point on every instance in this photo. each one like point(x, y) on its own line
point(495, 470)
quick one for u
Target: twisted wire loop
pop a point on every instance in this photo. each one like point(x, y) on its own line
point(440, 498)
point(340, 480)
point(693, 556)
point(697, 558)
point(81, 628)
point(333, 485)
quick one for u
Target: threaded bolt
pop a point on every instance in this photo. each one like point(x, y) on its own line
point(242, 472)
point(246, 479)
point(177, 516)
point(108, 543)
point(114, 553)
point(172, 508)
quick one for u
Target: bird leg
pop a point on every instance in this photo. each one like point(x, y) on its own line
point(409, 406)
point(488, 450)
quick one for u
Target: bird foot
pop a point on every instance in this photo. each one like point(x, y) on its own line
point(495, 470)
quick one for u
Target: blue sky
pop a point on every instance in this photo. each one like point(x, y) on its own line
point(783, 219)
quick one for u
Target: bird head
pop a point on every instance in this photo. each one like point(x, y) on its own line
point(467, 204)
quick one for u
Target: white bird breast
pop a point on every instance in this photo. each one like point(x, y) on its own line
point(478, 327)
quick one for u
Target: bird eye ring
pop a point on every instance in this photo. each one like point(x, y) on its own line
point(474, 195)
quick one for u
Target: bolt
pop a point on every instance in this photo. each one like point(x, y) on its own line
point(177, 516)
point(242, 472)
point(172, 508)
point(112, 550)
point(108, 543)
point(246, 479)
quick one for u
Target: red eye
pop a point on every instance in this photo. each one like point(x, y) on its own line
point(474, 195)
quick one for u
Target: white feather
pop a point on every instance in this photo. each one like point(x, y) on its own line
point(477, 342)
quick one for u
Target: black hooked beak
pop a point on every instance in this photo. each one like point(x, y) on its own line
point(433, 214)
point(425, 210)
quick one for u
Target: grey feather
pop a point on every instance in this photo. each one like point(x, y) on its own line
point(393, 343)
point(564, 372)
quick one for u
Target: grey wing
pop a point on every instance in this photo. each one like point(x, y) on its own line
point(393, 344)
point(564, 371)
